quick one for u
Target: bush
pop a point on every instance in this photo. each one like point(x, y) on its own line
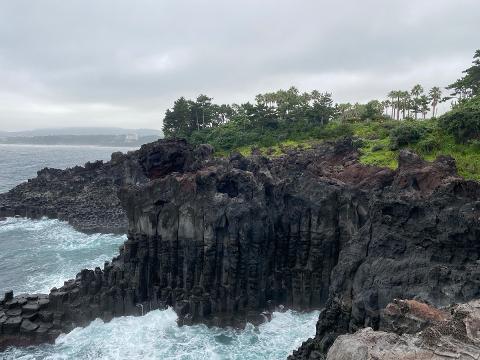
point(463, 122)
point(333, 131)
point(475, 145)
point(406, 133)
point(429, 145)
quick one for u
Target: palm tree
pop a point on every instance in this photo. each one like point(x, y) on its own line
point(396, 95)
point(392, 95)
point(435, 96)
point(386, 105)
point(424, 101)
point(405, 102)
point(416, 91)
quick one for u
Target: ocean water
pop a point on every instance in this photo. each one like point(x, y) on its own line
point(19, 163)
point(36, 255)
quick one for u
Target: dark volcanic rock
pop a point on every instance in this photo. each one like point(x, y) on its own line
point(411, 330)
point(28, 326)
point(85, 196)
point(223, 240)
point(420, 241)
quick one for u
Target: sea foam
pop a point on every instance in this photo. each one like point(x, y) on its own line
point(36, 255)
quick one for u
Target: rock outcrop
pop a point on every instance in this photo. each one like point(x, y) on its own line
point(420, 241)
point(223, 240)
point(86, 196)
point(410, 330)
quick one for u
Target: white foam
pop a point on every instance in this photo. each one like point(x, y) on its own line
point(36, 255)
point(156, 336)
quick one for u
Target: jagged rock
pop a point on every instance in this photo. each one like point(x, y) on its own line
point(452, 333)
point(223, 240)
point(86, 196)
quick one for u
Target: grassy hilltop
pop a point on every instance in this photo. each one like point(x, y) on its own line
point(380, 142)
point(288, 118)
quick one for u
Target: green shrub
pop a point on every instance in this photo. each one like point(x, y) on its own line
point(333, 131)
point(475, 145)
point(463, 121)
point(406, 133)
point(429, 145)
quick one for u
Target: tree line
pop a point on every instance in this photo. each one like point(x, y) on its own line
point(268, 111)
point(284, 108)
point(412, 103)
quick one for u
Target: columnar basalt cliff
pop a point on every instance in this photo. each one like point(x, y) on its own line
point(224, 240)
point(420, 241)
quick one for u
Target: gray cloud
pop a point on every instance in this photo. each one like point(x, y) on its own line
point(122, 63)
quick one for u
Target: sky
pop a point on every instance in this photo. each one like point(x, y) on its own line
point(123, 63)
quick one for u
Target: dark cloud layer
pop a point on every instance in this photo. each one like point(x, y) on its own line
point(121, 63)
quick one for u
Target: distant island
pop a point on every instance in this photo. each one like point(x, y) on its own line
point(82, 136)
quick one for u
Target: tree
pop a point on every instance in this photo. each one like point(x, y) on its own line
point(203, 108)
point(416, 91)
point(393, 96)
point(373, 110)
point(435, 97)
point(177, 120)
point(386, 105)
point(423, 105)
point(343, 111)
point(223, 113)
point(397, 96)
point(463, 121)
point(322, 109)
point(469, 85)
point(405, 103)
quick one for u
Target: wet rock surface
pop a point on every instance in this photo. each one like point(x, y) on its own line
point(224, 240)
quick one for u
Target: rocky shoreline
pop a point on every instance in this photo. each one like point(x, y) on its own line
point(85, 196)
point(223, 240)
point(417, 331)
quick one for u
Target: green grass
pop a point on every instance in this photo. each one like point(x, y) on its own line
point(376, 139)
point(275, 150)
point(377, 152)
point(376, 149)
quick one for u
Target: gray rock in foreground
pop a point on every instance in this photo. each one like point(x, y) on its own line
point(415, 331)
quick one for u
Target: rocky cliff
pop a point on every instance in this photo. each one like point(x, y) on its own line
point(224, 240)
point(85, 196)
point(420, 241)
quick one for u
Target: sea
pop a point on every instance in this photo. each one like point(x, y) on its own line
point(37, 255)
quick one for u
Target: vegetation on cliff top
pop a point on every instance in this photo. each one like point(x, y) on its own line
point(284, 119)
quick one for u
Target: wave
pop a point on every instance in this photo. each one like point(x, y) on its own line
point(36, 255)
point(157, 336)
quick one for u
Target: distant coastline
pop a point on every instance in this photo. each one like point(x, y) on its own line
point(87, 140)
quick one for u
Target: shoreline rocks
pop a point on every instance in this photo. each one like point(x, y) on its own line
point(85, 196)
point(414, 330)
point(223, 240)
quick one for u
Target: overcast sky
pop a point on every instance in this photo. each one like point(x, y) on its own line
point(122, 63)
